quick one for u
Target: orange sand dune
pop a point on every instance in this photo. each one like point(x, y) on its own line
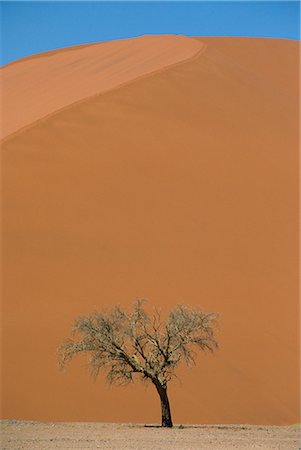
point(180, 187)
point(35, 87)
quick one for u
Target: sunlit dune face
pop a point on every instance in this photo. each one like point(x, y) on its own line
point(38, 86)
point(179, 187)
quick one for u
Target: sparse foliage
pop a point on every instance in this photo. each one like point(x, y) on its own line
point(137, 344)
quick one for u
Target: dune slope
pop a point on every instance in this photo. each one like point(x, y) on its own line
point(181, 187)
point(35, 87)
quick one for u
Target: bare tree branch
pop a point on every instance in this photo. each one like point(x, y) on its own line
point(128, 344)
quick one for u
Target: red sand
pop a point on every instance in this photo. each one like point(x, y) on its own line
point(181, 187)
point(40, 85)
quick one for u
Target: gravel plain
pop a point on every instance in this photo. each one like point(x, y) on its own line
point(21, 435)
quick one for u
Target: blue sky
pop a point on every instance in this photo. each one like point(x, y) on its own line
point(32, 27)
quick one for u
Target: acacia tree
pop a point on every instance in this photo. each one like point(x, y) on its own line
point(131, 344)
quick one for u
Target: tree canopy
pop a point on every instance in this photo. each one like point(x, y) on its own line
point(129, 344)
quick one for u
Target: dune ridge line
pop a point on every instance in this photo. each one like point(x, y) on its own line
point(37, 87)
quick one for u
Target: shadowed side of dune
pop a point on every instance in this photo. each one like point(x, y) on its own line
point(37, 86)
point(181, 188)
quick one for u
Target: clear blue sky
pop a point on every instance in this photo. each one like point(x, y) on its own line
point(33, 27)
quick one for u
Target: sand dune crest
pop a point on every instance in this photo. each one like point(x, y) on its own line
point(38, 86)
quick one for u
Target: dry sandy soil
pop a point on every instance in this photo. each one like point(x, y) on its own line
point(19, 435)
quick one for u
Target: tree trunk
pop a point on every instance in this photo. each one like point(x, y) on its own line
point(165, 407)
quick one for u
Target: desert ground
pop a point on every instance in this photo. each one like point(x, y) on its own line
point(164, 168)
point(18, 435)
